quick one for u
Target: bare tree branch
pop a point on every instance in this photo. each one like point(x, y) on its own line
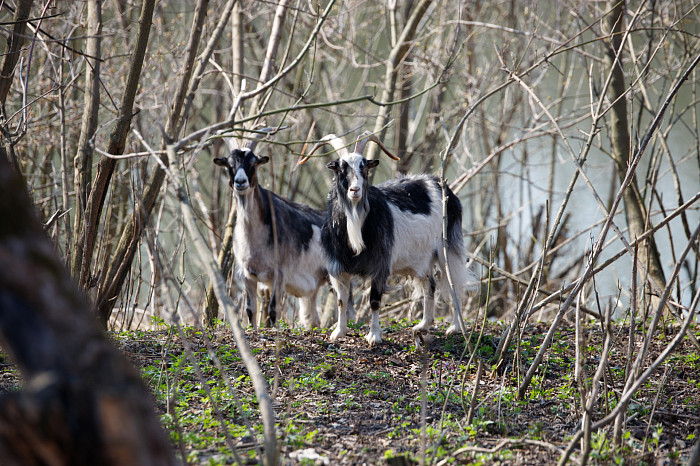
point(80, 269)
point(11, 55)
point(117, 142)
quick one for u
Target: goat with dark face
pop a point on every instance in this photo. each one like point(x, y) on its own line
point(276, 242)
point(392, 228)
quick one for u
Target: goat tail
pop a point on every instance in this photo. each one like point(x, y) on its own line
point(461, 268)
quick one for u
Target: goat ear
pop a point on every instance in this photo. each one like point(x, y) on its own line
point(333, 165)
point(372, 163)
point(262, 160)
point(221, 161)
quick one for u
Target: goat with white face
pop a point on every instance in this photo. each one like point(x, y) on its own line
point(392, 228)
point(298, 266)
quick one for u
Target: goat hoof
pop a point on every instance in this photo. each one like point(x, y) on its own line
point(422, 339)
point(453, 330)
point(337, 333)
point(420, 327)
point(373, 339)
point(418, 340)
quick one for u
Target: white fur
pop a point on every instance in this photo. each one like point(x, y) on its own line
point(341, 285)
point(300, 275)
point(354, 225)
point(356, 215)
point(417, 252)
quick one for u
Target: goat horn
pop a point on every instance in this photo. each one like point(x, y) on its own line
point(229, 139)
point(331, 139)
point(367, 136)
point(254, 142)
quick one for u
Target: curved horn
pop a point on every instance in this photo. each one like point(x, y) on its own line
point(361, 142)
point(331, 139)
point(229, 139)
point(367, 136)
point(254, 142)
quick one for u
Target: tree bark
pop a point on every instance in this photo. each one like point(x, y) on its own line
point(14, 44)
point(225, 262)
point(200, 15)
point(83, 403)
point(404, 117)
point(237, 51)
point(397, 55)
point(129, 240)
point(404, 121)
point(635, 212)
point(115, 146)
point(83, 158)
point(270, 54)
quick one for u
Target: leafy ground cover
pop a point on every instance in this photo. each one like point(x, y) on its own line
point(346, 403)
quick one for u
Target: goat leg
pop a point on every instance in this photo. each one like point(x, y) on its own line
point(428, 304)
point(251, 300)
point(374, 337)
point(341, 285)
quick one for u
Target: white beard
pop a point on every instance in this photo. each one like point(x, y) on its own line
point(355, 221)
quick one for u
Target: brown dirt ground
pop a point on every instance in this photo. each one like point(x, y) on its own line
point(366, 401)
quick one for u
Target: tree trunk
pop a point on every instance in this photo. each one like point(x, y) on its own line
point(131, 235)
point(14, 44)
point(116, 143)
point(225, 262)
point(116, 271)
point(396, 57)
point(404, 120)
point(200, 15)
point(225, 259)
point(10, 58)
point(237, 53)
point(635, 213)
point(83, 403)
point(83, 159)
point(270, 54)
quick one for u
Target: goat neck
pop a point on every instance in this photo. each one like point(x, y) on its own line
point(351, 182)
point(249, 204)
point(243, 178)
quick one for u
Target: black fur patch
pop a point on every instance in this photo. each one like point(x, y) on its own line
point(377, 232)
point(294, 221)
point(409, 195)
